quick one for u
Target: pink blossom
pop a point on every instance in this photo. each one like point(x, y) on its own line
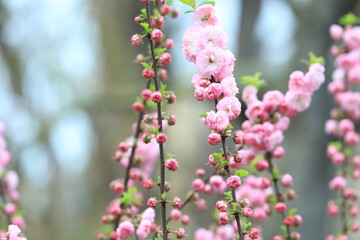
point(205, 15)
point(337, 183)
point(125, 229)
point(230, 105)
point(255, 110)
point(152, 202)
point(191, 42)
point(262, 165)
point(347, 61)
point(156, 35)
point(229, 87)
point(248, 212)
point(280, 207)
point(135, 40)
point(214, 138)
point(225, 232)
point(175, 214)
point(171, 164)
point(213, 91)
point(352, 138)
point(352, 37)
point(223, 218)
point(336, 32)
point(203, 234)
point(143, 229)
point(210, 61)
point(300, 101)
point(148, 214)
point(249, 94)
point(350, 101)
point(233, 181)
point(156, 97)
point(315, 76)
point(213, 36)
point(227, 66)
point(199, 94)
point(354, 74)
point(165, 59)
point(177, 202)
point(148, 73)
point(217, 121)
point(272, 100)
point(286, 180)
point(198, 184)
point(221, 206)
point(282, 124)
point(180, 233)
point(218, 184)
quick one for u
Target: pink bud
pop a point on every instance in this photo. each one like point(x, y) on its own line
point(262, 165)
point(156, 97)
point(148, 73)
point(280, 207)
point(175, 214)
point(223, 218)
point(286, 180)
point(156, 35)
point(151, 202)
point(171, 164)
point(198, 185)
point(278, 152)
point(138, 107)
point(233, 182)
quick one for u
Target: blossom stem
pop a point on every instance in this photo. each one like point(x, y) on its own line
point(343, 214)
point(279, 197)
point(159, 120)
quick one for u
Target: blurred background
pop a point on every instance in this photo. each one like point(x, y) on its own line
point(67, 82)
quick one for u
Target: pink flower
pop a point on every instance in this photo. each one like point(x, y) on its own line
point(213, 91)
point(138, 107)
point(13, 233)
point(280, 207)
point(210, 61)
point(165, 59)
point(213, 36)
point(203, 234)
point(180, 233)
point(233, 181)
point(218, 184)
point(300, 101)
point(156, 35)
point(198, 184)
point(148, 73)
point(229, 87)
point(156, 97)
point(151, 202)
point(199, 94)
point(214, 138)
point(191, 42)
point(336, 32)
point(135, 40)
point(354, 74)
point(148, 214)
point(255, 110)
point(347, 61)
point(175, 214)
point(223, 218)
point(337, 183)
point(248, 212)
point(272, 99)
point(286, 180)
point(230, 105)
point(217, 121)
point(297, 81)
point(205, 15)
point(352, 37)
point(171, 164)
point(161, 138)
point(221, 206)
point(289, 220)
point(125, 229)
point(249, 94)
point(143, 229)
point(177, 202)
point(254, 233)
point(315, 76)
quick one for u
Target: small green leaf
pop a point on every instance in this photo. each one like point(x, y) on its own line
point(252, 167)
point(169, 155)
point(160, 51)
point(145, 65)
point(292, 211)
point(347, 152)
point(158, 179)
point(241, 173)
point(146, 27)
point(349, 19)
point(207, 2)
point(246, 225)
point(276, 174)
point(163, 196)
point(162, 87)
point(283, 229)
point(191, 3)
point(190, 11)
point(204, 115)
point(132, 191)
point(337, 144)
point(107, 229)
point(272, 199)
point(313, 59)
point(228, 195)
point(170, 2)
point(254, 80)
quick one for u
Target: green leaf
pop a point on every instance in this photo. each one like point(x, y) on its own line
point(146, 27)
point(162, 87)
point(132, 191)
point(283, 229)
point(228, 195)
point(207, 2)
point(158, 179)
point(170, 2)
point(160, 51)
point(107, 229)
point(252, 167)
point(337, 144)
point(204, 115)
point(254, 80)
point(246, 225)
point(190, 11)
point(191, 3)
point(272, 199)
point(169, 155)
point(349, 19)
point(276, 174)
point(313, 59)
point(145, 65)
point(163, 196)
point(241, 173)
point(292, 211)
point(347, 152)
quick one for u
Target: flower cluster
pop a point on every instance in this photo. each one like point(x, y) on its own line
point(138, 153)
point(342, 126)
point(9, 194)
point(204, 43)
point(13, 233)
